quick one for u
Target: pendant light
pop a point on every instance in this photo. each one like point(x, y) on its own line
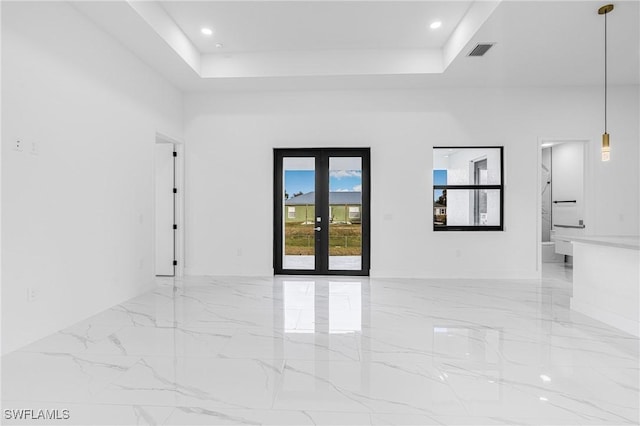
point(604, 10)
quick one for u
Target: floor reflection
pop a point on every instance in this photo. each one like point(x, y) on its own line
point(299, 306)
point(345, 307)
point(472, 351)
point(474, 345)
point(324, 306)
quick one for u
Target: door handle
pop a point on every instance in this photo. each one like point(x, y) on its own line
point(317, 228)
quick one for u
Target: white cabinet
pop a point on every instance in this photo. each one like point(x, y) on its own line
point(563, 237)
point(563, 246)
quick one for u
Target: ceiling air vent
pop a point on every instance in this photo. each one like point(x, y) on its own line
point(480, 49)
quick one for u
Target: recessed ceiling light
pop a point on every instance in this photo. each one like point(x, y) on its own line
point(206, 31)
point(436, 24)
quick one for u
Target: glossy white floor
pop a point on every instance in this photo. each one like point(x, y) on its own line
point(304, 350)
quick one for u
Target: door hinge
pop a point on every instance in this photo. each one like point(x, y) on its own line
point(175, 154)
point(175, 190)
point(175, 226)
point(175, 263)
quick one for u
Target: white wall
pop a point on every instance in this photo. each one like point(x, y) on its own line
point(77, 212)
point(230, 138)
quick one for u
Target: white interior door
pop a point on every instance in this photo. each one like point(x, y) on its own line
point(165, 241)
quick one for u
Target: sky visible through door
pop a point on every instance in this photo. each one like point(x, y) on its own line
point(303, 181)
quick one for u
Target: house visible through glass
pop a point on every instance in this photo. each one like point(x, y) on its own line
point(345, 224)
point(345, 213)
point(300, 203)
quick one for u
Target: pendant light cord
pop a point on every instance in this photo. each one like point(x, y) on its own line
point(605, 72)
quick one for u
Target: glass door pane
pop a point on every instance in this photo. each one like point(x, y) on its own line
point(345, 217)
point(298, 213)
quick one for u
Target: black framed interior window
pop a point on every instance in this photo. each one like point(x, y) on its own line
point(468, 188)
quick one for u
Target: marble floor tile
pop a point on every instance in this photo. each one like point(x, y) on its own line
point(177, 341)
point(194, 381)
point(75, 339)
point(335, 351)
point(365, 386)
point(266, 344)
point(204, 416)
point(62, 377)
point(560, 392)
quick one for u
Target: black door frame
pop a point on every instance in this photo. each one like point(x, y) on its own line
point(321, 156)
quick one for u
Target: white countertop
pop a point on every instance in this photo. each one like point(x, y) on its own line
point(627, 241)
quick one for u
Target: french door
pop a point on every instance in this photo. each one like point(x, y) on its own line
point(321, 211)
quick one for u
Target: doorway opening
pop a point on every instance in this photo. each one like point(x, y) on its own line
point(168, 207)
point(321, 211)
point(562, 204)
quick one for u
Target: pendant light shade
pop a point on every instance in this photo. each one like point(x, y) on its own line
point(606, 149)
